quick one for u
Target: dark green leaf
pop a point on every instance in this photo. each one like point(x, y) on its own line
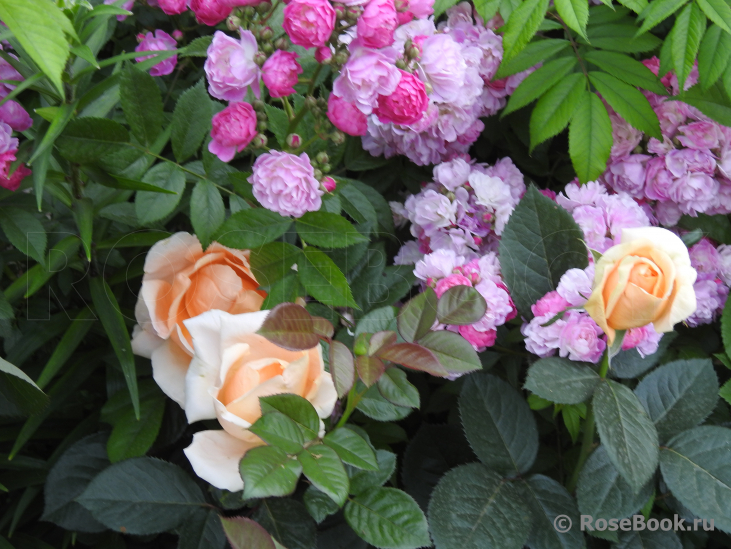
point(356, 204)
point(590, 138)
point(648, 539)
point(288, 522)
point(20, 390)
point(142, 496)
point(244, 533)
point(191, 121)
point(249, 229)
point(539, 82)
point(628, 364)
point(712, 102)
point(342, 368)
point(461, 305)
point(84, 215)
point(323, 467)
point(25, 232)
point(713, 55)
point(296, 408)
point(141, 103)
point(202, 530)
point(86, 140)
point(268, 471)
point(561, 380)
point(362, 480)
point(132, 437)
point(376, 407)
point(418, 315)
point(154, 206)
point(319, 504)
point(323, 280)
point(327, 230)
point(454, 352)
point(395, 388)
point(286, 290)
point(278, 430)
point(547, 501)
point(207, 211)
point(273, 261)
point(352, 448)
point(621, 37)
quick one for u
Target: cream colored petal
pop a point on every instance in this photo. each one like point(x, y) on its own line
point(324, 395)
point(200, 381)
point(205, 330)
point(661, 238)
point(169, 368)
point(142, 314)
point(144, 342)
point(215, 457)
point(172, 255)
point(234, 326)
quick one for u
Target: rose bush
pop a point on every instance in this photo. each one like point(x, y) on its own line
point(316, 274)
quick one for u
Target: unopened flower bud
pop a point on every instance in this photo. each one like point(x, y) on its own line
point(264, 8)
point(294, 141)
point(259, 106)
point(318, 174)
point(341, 58)
point(428, 88)
point(267, 47)
point(281, 43)
point(178, 35)
point(233, 23)
point(401, 5)
point(329, 183)
point(352, 14)
point(323, 54)
point(401, 64)
point(360, 347)
point(249, 12)
point(322, 158)
point(266, 33)
point(261, 126)
point(259, 141)
point(413, 52)
point(339, 11)
point(260, 58)
point(311, 102)
point(450, 195)
point(337, 137)
point(326, 168)
point(140, 37)
point(261, 115)
point(322, 103)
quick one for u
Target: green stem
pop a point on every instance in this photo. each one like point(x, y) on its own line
point(587, 442)
point(353, 400)
point(288, 108)
point(311, 87)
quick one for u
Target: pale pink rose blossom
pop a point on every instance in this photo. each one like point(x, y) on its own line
point(230, 66)
point(159, 41)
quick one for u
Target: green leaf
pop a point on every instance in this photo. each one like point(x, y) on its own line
point(657, 11)
point(712, 102)
point(554, 110)
point(286, 290)
point(575, 13)
point(84, 215)
point(539, 244)
point(635, 5)
point(154, 206)
point(487, 8)
point(373, 405)
point(369, 369)
point(244, 533)
point(395, 388)
point(687, 33)
point(725, 391)
point(461, 305)
point(532, 54)
point(288, 523)
point(590, 138)
point(414, 356)
point(561, 380)
point(418, 315)
point(296, 408)
point(25, 232)
point(440, 6)
point(39, 26)
point(472, 507)
point(278, 124)
point(453, 351)
point(141, 103)
point(273, 261)
point(290, 326)
point(629, 103)
point(207, 211)
point(59, 121)
point(522, 25)
point(132, 437)
point(342, 367)
point(627, 69)
point(268, 471)
point(630, 364)
point(202, 530)
point(197, 47)
point(356, 204)
point(649, 539)
point(323, 467)
point(319, 504)
point(713, 55)
point(328, 230)
point(498, 424)
point(278, 430)
point(191, 121)
point(387, 517)
point(71, 339)
point(696, 465)
point(717, 11)
point(20, 390)
point(142, 496)
point(620, 37)
point(679, 395)
point(548, 500)
point(628, 434)
point(539, 82)
point(603, 493)
point(352, 448)
point(86, 140)
point(249, 229)
point(323, 280)
point(108, 311)
point(363, 480)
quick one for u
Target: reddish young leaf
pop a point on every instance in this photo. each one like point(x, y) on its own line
point(290, 326)
point(322, 327)
point(244, 533)
point(413, 356)
point(370, 369)
point(380, 340)
point(342, 367)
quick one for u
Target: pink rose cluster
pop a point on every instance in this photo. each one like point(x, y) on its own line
point(713, 265)
point(444, 269)
point(414, 89)
point(463, 210)
point(8, 148)
point(158, 41)
point(12, 113)
point(574, 334)
point(687, 172)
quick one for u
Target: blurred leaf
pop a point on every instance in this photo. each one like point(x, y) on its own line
point(453, 351)
point(59, 121)
point(288, 522)
point(278, 124)
point(109, 313)
point(203, 530)
point(154, 206)
point(84, 215)
point(249, 229)
point(635, 5)
point(323, 467)
point(575, 13)
point(539, 82)
point(532, 54)
point(244, 533)
point(687, 33)
point(712, 102)
point(278, 430)
point(342, 367)
point(590, 138)
point(25, 232)
point(395, 387)
point(620, 37)
point(657, 11)
point(319, 504)
point(626, 69)
point(713, 55)
point(285, 290)
point(369, 369)
point(298, 409)
point(191, 121)
point(141, 103)
point(717, 11)
point(554, 110)
point(70, 341)
point(132, 437)
point(20, 390)
point(86, 140)
point(461, 305)
point(522, 25)
point(414, 356)
point(485, 8)
point(327, 230)
point(548, 500)
point(561, 380)
point(352, 448)
point(273, 261)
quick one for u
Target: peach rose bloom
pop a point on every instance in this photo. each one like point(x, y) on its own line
point(180, 282)
point(647, 278)
point(232, 367)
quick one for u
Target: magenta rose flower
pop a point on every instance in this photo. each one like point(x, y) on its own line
point(230, 67)
point(406, 105)
point(209, 12)
point(8, 148)
point(125, 6)
point(160, 41)
point(286, 184)
point(12, 183)
point(173, 7)
point(280, 73)
point(309, 23)
point(346, 117)
point(238, 3)
point(233, 129)
point(377, 24)
point(15, 116)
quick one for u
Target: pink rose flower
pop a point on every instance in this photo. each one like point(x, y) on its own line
point(209, 12)
point(406, 105)
point(476, 338)
point(346, 117)
point(550, 305)
point(125, 6)
point(645, 339)
point(452, 280)
point(628, 174)
point(280, 73)
point(8, 148)
point(658, 180)
point(12, 183)
point(421, 9)
point(160, 41)
point(286, 184)
point(172, 7)
point(230, 67)
point(323, 53)
point(366, 75)
point(309, 23)
point(700, 135)
point(238, 3)
point(233, 129)
point(8, 72)
point(580, 338)
point(377, 24)
point(15, 116)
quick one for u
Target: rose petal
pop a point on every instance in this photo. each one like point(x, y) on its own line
point(169, 369)
point(215, 457)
